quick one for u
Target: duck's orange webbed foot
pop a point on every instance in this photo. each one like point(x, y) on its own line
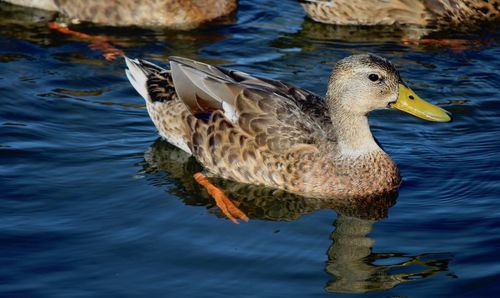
point(222, 201)
point(99, 43)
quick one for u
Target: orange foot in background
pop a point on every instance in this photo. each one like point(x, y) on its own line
point(222, 201)
point(456, 45)
point(99, 43)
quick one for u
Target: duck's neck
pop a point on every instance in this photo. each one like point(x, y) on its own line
point(354, 138)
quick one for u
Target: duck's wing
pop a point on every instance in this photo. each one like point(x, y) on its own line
point(307, 101)
point(276, 114)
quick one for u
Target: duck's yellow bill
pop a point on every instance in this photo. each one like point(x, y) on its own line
point(411, 103)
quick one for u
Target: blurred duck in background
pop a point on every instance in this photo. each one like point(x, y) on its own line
point(175, 14)
point(425, 15)
point(170, 14)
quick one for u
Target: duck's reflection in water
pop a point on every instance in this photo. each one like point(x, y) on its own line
point(351, 262)
point(356, 269)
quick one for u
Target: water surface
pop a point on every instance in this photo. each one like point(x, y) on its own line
point(94, 204)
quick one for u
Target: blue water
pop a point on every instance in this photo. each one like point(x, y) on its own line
point(94, 204)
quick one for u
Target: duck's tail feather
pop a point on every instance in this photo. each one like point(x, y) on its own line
point(137, 76)
point(138, 73)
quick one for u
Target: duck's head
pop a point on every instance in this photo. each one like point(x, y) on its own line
point(360, 84)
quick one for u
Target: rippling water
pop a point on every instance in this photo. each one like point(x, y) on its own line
point(93, 204)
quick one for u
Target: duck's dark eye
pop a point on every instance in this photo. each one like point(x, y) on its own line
point(373, 77)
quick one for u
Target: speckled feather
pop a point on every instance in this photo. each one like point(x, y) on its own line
point(259, 131)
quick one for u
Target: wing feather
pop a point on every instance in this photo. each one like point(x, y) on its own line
point(276, 114)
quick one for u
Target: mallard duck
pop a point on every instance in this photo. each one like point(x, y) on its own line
point(425, 13)
point(177, 14)
point(266, 132)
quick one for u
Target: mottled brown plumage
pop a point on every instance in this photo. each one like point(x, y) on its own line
point(425, 13)
point(256, 201)
point(178, 14)
point(266, 132)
